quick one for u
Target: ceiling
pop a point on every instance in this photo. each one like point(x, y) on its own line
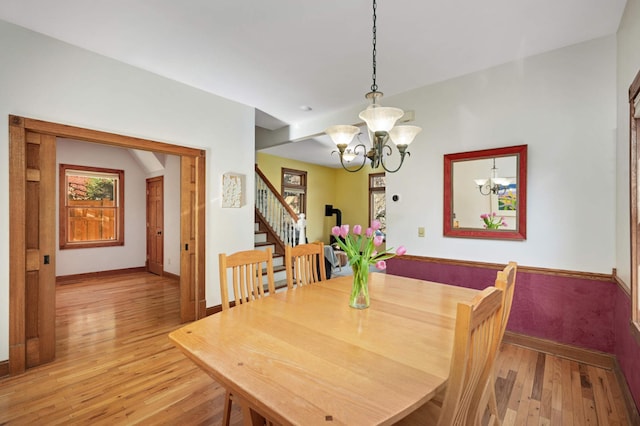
point(281, 56)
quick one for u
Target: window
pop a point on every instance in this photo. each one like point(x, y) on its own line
point(91, 207)
point(634, 184)
point(377, 202)
point(294, 189)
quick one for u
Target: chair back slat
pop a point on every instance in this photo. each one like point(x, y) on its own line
point(305, 264)
point(246, 270)
point(505, 281)
point(475, 344)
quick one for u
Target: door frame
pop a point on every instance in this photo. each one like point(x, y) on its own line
point(18, 126)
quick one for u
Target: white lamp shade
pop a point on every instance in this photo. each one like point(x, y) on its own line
point(348, 156)
point(342, 134)
point(380, 118)
point(404, 135)
point(480, 182)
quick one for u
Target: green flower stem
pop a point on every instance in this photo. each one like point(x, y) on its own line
point(360, 289)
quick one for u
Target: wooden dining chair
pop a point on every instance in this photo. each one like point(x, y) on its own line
point(247, 269)
point(476, 341)
point(304, 264)
point(505, 281)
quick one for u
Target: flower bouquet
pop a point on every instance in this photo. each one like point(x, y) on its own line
point(492, 221)
point(361, 250)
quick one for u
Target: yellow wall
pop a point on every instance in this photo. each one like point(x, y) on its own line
point(320, 186)
point(346, 191)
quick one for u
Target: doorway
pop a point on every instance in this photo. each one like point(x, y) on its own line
point(32, 253)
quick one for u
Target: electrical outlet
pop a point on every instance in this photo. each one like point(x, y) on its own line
point(421, 231)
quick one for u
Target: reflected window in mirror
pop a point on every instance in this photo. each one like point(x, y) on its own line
point(485, 193)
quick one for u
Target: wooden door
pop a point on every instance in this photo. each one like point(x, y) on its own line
point(32, 255)
point(192, 284)
point(155, 225)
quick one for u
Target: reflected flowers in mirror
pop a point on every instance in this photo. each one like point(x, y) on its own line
point(493, 221)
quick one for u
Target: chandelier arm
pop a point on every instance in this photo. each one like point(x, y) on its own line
point(399, 165)
point(341, 150)
point(488, 186)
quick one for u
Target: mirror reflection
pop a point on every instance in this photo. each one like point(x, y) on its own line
point(485, 193)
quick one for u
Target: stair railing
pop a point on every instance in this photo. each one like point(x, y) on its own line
point(277, 214)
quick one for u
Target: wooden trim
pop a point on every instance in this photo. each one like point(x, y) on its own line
point(71, 279)
point(586, 356)
point(634, 91)
point(629, 402)
point(170, 275)
point(277, 194)
point(217, 308)
point(63, 130)
point(4, 368)
point(521, 268)
point(17, 238)
point(620, 283)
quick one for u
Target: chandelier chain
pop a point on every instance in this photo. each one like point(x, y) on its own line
point(374, 85)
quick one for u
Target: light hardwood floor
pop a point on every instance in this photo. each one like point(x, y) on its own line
point(115, 366)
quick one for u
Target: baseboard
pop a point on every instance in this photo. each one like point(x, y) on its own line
point(4, 368)
point(585, 356)
point(170, 275)
point(70, 279)
point(626, 394)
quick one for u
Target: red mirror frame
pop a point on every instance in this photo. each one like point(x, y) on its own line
point(520, 233)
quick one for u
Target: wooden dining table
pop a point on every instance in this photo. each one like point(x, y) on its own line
point(304, 357)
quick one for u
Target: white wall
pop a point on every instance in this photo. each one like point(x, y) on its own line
point(628, 61)
point(562, 105)
point(133, 253)
point(46, 79)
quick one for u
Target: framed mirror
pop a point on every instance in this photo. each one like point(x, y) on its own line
point(485, 194)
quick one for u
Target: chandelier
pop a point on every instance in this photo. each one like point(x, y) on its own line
point(494, 185)
point(381, 126)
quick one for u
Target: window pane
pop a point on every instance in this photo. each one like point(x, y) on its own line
point(377, 181)
point(294, 199)
point(290, 179)
point(90, 188)
point(378, 209)
point(91, 224)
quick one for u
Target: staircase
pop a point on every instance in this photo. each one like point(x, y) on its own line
point(260, 241)
point(275, 225)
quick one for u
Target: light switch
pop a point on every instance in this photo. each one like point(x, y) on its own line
point(421, 231)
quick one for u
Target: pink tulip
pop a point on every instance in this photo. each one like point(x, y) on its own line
point(357, 230)
point(381, 265)
point(377, 240)
point(484, 216)
point(504, 223)
point(344, 230)
point(335, 231)
point(401, 250)
point(376, 225)
point(369, 232)
point(493, 214)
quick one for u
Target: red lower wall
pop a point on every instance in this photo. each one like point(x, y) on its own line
point(627, 350)
point(583, 312)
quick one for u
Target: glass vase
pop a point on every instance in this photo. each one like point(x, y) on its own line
point(359, 298)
